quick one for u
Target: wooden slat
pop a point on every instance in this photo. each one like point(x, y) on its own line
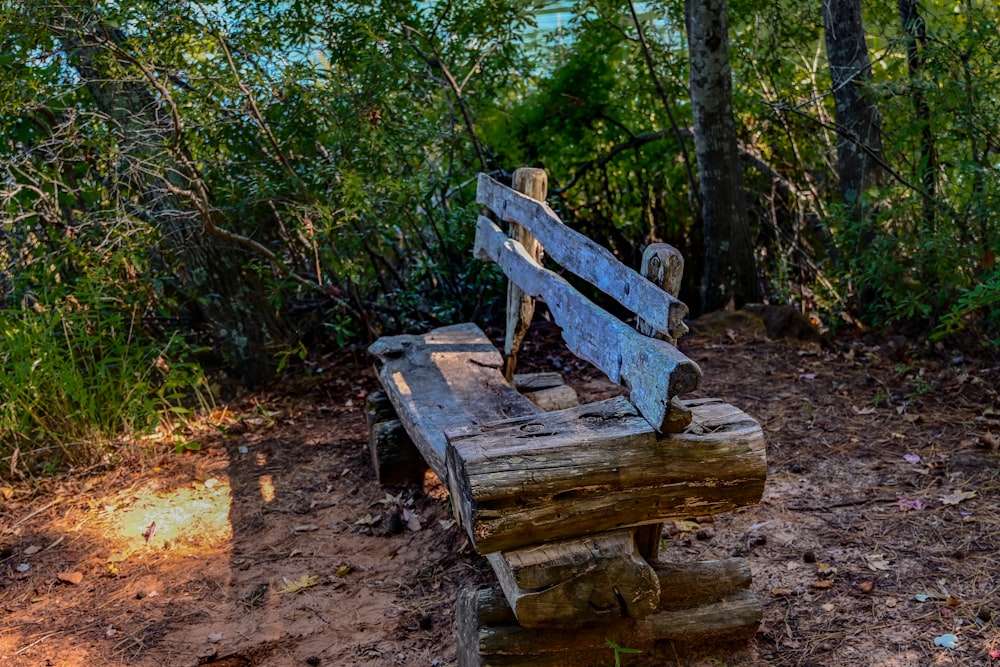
point(571, 583)
point(586, 259)
point(447, 378)
point(597, 468)
point(653, 370)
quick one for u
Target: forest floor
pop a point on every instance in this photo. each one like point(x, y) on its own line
point(876, 542)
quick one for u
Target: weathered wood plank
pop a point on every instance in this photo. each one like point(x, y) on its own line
point(533, 183)
point(663, 265)
point(599, 467)
point(578, 254)
point(571, 583)
point(687, 585)
point(546, 390)
point(525, 382)
point(447, 378)
point(488, 634)
point(653, 370)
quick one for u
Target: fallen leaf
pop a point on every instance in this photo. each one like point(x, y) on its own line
point(957, 497)
point(412, 520)
point(876, 562)
point(70, 577)
point(905, 504)
point(343, 570)
point(829, 606)
point(822, 584)
point(947, 641)
point(32, 550)
point(781, 592)
point(825, 569)
point(891, 602)
point(368, 520)
point(214, 638)
point(863, 411)
point(7, 492)
point(866, 586)
point(305, 528)
point(305, 581)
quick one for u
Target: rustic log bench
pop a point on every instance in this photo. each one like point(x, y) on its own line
point(568, 505)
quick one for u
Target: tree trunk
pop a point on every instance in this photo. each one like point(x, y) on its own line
point(916, 40)
point(211, 271)
point(859, 142)
point(730, 276)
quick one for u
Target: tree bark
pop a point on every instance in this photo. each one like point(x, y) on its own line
point(916, 41)
point(859, 141)
point(730, 275)
point(212, 271)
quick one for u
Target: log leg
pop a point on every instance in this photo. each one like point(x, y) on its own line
point(395, 458)
point(488, 634)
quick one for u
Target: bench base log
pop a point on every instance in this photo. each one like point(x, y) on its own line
point(597, 468)
point(572, 583)
point(395, 459)
point(546, 390)
point(489, 635)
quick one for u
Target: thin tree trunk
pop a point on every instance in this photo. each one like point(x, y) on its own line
point(916, 41)
point(859, 142)
point(730, 275)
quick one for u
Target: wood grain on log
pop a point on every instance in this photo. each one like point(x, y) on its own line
point(571, 583)
point(488, 633)
point(447, 378)
point(532, 183)
point(578, 254)
point(597, 468)
point(653, 370)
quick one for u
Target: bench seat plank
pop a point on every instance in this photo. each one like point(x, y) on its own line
point(447, 378)
point(599, 467)
point(653, 370)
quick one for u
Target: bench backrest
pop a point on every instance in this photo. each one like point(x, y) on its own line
point(652, 368)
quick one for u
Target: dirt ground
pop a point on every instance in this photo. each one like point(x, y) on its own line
point(876, 542)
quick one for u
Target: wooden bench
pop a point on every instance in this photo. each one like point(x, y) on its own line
point(568, 505)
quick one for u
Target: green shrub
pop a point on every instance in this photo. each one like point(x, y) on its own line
point(79, 380)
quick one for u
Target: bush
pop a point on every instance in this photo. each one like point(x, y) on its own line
point(79, 380)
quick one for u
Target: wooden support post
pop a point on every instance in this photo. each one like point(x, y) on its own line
point(663, 265)
point(721, 610)
point(395, 458)
point(520, 306)
point(575, 582)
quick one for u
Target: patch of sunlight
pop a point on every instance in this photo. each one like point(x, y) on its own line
point(187, 519)
point(266, 488)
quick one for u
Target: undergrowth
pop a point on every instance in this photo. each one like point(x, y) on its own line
point(79, 381)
